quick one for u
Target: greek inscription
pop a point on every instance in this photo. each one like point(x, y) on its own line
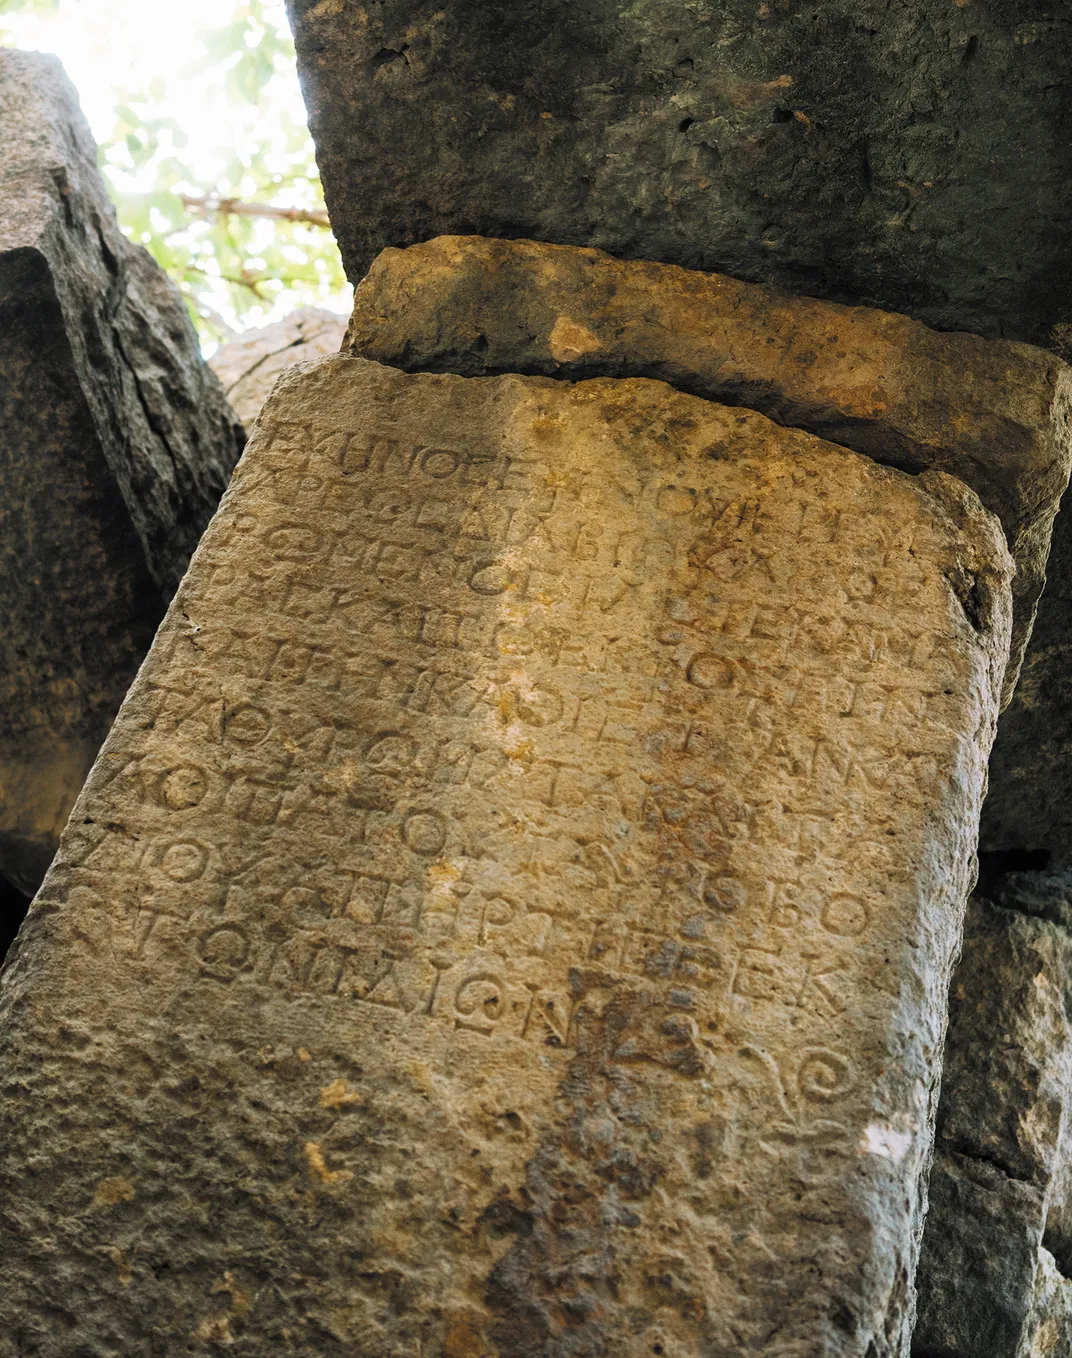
point(224, 952)
point(246, 725)
point(453, 762)
point(425, 832)
point(182, 788)
point(183, 860)
point(479, 1003)
point(845, 915)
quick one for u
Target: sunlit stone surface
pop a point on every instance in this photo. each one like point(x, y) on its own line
point(513, 912)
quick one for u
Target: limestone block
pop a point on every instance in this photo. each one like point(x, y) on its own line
point(117, 443)
point(995, 414)
point(513, 911)
point(911, 156)
point(1003, 1136)
point(248, 366)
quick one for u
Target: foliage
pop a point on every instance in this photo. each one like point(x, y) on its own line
point(34, 6)
point(236, 267)
point(22, 7)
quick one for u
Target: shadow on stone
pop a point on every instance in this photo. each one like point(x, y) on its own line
point(13, 907)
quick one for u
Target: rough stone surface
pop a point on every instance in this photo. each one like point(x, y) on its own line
point(912, 156)
point(980, 1257)
point(995, 414)
point(248, 367)
point(117, 443)
point(512, 914)
point(1029, 807)
point(1049, 1329)
point(989, 1283)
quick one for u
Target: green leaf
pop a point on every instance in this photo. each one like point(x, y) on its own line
point(28, 6)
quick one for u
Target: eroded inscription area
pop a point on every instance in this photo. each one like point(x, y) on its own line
point(492, 691)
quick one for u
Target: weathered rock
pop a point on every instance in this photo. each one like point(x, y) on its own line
point(995, 414)
point(248, 367)
point(989, 1286)
point(911, 156)
point(1049, 1330)
point(1028, 810)
point(981, 1250)
point(117, 445)
point(513, 910)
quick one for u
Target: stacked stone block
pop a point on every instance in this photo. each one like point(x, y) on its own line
point(118, 443)
point(570, 790)
point(514, 911)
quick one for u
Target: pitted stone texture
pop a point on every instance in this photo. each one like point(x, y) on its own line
point(993, 413)
point(512, 913)
point(911, 156)
point(117, 443)
point(980, 1258)
point(1049, 1330)
point(998, 1196)
point(165, 430)
point(249, 366)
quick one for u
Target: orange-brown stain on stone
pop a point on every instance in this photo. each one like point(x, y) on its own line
point(339, 1095)
point(241, 1296)
point(314, 1153)
point(123, 1269)
point(112, 1191)
point(465, 1338)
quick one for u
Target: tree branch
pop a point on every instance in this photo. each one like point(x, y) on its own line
point(239, 280)
point(212, 204)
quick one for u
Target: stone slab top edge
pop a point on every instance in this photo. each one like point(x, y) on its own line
point(249, 364)
point(995, 413)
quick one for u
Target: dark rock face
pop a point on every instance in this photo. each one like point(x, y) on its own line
point(117, 443)
point(997, 1235)
point(1029, 807)
point(913, 156)
point(13, 907)
point(159, 415)
point(976, 1279)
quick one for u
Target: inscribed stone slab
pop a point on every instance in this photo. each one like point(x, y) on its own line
point(911, 156)
point(117, 443)
point(512, 914)
point(248, 366)
point(993, 413)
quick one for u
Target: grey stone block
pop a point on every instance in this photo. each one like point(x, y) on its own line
point(912, 156)
point(118, 442)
